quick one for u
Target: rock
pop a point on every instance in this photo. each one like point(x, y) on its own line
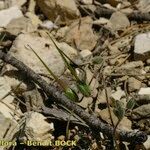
point(4, 90)
point(117, 95)
point(45, 49)
point(101, 21)
point(9, 14)
point(90, 8)
point(19, 25)
point(144, 91)
point(86, 102)
point(37, 128)
point(2, 5)
point(144, 6)
point(85, 54)
point(93, 86)
point(14, 78)
point(10, 3)
point(48, 25)
point(147, 143)
point(82, 36)
point(141, 112)
point(34, 19)
point(133, 84)
point(86, 2)
point(148, 61)
point(141, 46)
point(127, 10)
point(66, 10)
point(102, 96)
point(7, 125)
point(89, 75)
point(132, 65)
point(61, 32)
point(125, 123)
point(121, 23)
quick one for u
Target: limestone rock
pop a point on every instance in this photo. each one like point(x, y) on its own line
point(120, 23)
point(83, 36)
point(37, 128)
point(125, 123)
point(9, 14)
point(141, 112)
point(144, 5)
point(45, 49)
point(66, 9)
point(133, 84)
point(19, 25)
point(141, 46)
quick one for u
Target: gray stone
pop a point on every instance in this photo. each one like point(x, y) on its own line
point(142, 46)
point(119, 21)
point(141, 112)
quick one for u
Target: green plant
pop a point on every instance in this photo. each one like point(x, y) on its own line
point(119, 111)
point(70, 93)
point(81, 84)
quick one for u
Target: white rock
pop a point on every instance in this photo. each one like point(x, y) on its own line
point(9, 14)
point(120, 23)
point(101, 21)
point(134, 84)
point(144, 91)
point(142, 46)
point(87, 1)
point(37, 128)
point(48, 25)
point(147, 143)
point(66, 9)
point(117, 95)
point(45, 49)
point(85, 54)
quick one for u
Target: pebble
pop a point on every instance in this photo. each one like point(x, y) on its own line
point(142, 46)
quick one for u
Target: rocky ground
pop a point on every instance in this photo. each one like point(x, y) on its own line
point(106, 42)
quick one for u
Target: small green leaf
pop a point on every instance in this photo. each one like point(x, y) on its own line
point(130, 104)
point(97, 60)
point(119, 110)
point(71, 94)
point(84, 88)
